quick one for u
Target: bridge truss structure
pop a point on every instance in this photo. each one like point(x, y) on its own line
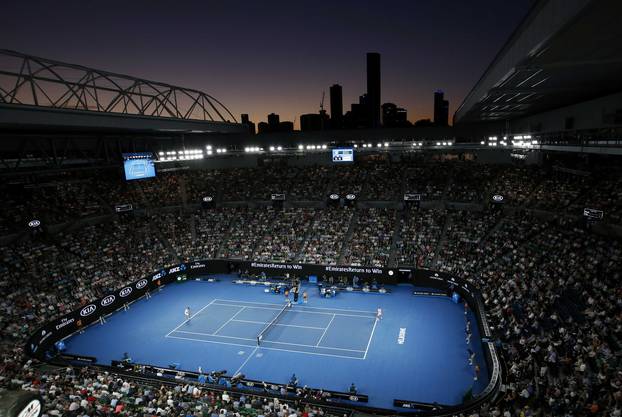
point(27, 80)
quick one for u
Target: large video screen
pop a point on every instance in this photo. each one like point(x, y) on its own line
point(138, 166)
point(343, 155)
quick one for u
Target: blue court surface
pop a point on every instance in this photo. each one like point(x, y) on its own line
point(416, 352)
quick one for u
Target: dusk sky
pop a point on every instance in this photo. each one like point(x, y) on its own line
point(268, 56)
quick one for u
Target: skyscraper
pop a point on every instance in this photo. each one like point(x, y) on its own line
point(336, 106)
point(373, 88)
point(273, 120)
point(441, 109)
point(393, 116)
point(250, 125)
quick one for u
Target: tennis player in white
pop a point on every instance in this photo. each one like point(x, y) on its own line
point(187, 313)
point(379, 314)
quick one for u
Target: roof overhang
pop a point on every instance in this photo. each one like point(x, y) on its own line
point(21, 117)
point(564, 52)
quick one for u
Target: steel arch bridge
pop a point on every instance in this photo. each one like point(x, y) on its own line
point(27, 80)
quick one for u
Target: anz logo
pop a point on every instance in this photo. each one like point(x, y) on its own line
point(88, 310)
point(106, 301)
point(125, 292)
point(179, 268)
point(141, 284)
point(159, 275)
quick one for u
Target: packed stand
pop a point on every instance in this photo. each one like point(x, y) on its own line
point(286, 236)
point(555, 305)
point(371, 239)
point(383, 182)
point(203, 183)
point(249, 227)
point(163, 190)
point(462, 244)
point(86, 392)
point(420, 234)
point(212, 228)
point(515, 183)
point(603, 193)
point(558, 190)
point(469, 181)
point(429, 181)
point(327, 235)
point(176, 231)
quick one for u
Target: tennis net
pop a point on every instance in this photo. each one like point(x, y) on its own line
point(270, 325)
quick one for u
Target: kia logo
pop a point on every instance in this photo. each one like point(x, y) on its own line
point(34, 223)
point(497, 197)
point(350, 196)
point(141, 284)
point(108, 300)
point(334, 197)
point(125, 292)
point(88, 310)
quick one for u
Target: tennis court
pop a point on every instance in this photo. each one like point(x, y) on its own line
point(417, 351)
point(308, 330)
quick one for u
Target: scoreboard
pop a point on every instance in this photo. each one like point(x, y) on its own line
point(343, 155)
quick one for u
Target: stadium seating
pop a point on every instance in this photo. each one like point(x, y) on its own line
point(551, 286)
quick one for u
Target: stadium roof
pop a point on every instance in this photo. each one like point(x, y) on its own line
point(563, 52)
point(39, 93)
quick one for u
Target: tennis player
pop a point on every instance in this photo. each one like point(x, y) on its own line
point(187, 313)
point(379, 314)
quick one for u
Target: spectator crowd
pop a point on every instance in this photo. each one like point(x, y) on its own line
point(551, 287)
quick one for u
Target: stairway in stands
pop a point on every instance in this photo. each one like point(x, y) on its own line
point(441, 240)
point(399, 215)
point(348, 237)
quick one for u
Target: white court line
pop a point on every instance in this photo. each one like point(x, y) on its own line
point(228, 321)
point(370, 337)
point(279, 324)
point(249, 302)
point(187, 320)
point(267, 348)
point(207, 341)
point(297, 311)
point(269, 341)
point(217, 335)
point(299, 306)
point(329, 323)
point(247, 359)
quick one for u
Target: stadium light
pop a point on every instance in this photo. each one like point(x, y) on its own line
point(279, 148)
point(323, 146)
point(300, 147)
point(386, 144)
point(272, 148)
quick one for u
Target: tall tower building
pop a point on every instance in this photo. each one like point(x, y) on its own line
point(336, 106)
point(441, 109)
point(373, 88)
point(273, 120)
